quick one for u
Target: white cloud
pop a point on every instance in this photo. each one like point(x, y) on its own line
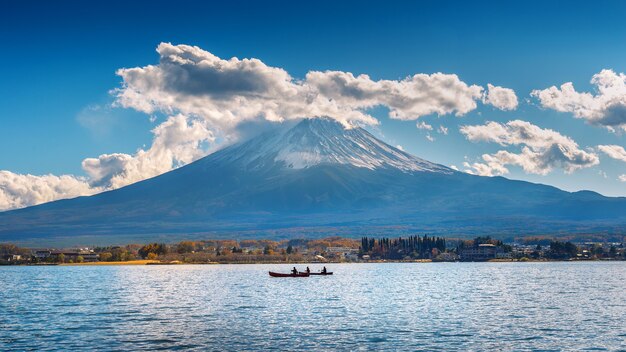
point(501, 98)
point(542, 151)
point(18, 190)
point(213, 98)
point(443, 130)
point(177, 141)
point(225, 92)
point(430, 138)
point(400, 147)
point(622, 178)
point(195, 82)
point(606, 108)
point(491, 167)
point(614, 151)
point(407, 99)
point(421, 125)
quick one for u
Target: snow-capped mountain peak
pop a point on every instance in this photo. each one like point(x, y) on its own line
point(317, 175)
point(313, 142)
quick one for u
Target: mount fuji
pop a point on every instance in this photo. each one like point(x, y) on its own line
point(315, 178)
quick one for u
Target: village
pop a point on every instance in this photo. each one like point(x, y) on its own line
point(333, 249)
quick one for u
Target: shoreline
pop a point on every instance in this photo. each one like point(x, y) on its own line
point(421, 261)
point(129, 262)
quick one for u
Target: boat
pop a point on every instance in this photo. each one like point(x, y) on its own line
point(273, 274)
point(326, 273)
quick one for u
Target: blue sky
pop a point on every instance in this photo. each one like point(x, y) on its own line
point(59, 62)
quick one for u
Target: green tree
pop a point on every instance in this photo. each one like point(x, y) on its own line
point(598, 251)
point(80, 259)
point(105, 256)
point(61, 258)
point(562, 250)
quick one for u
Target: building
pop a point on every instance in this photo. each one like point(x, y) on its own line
point(341, 250)
point(42, 254)
point(483, 252)
point(88, 256)
point(12, 258)
point(346, 253)
point(524, 250)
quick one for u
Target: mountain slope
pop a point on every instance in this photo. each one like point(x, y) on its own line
point(318, 141)
point(316, 176)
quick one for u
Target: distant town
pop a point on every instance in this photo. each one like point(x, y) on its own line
point(333, 249)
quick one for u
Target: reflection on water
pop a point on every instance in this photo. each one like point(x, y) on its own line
point(451, 306)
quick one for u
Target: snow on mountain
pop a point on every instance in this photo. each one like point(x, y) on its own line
point(315, 174)
point(322, 141)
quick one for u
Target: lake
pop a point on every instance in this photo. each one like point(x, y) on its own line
point(412, 306)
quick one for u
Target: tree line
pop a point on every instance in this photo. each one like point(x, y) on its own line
point(414, 247)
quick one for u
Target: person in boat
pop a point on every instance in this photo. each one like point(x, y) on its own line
point(294, 271)
point(324, 270)
point(308, 270)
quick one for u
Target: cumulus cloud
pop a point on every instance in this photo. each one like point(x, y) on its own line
point(622, 178)
point(209, 98)
point(407, 99)
point(607, 107)
point(542, 149)
point(18, 190)
point(421, 125)
point(195, 82)
point(614, 151)
point(177, 141)
point(501, 98)
point(443, 130)
point(490, 167)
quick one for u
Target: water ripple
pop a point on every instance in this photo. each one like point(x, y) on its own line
point(414, 307)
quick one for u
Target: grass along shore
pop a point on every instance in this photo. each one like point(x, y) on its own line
point(129, 262)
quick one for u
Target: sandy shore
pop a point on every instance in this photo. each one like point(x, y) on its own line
point(130, 262)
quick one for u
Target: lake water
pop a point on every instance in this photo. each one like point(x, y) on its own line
point(434, 306)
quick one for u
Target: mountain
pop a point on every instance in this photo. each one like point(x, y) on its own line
point(315, 178)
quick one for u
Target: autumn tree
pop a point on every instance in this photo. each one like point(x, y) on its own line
point(105, 256)
point(156, 248)
point(185, 247)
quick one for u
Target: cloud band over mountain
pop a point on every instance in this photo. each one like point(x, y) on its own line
point(225, 92)
point(207, 97)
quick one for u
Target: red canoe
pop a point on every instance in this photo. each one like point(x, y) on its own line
point(273, 274)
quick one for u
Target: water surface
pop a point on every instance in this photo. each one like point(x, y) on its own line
point(434, 306)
